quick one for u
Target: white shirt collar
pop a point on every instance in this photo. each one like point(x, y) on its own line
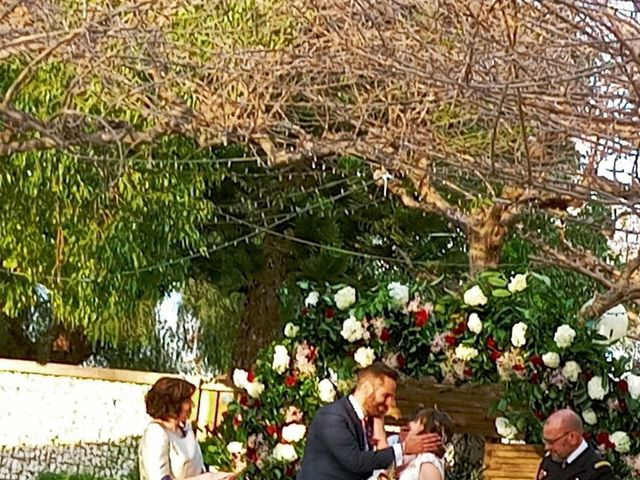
point(576, 453)
point(357, 407)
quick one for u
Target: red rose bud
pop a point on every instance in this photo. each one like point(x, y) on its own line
point(460, 329)
point(290, 471)
point(450, 339)
point(237, 420)
point(468, 372)
point(272, 430)
point(291, 380)
point(244, 400)
point(251, 376)
point(304, 311)
point(622, 405)
point(495, 356)
point(401, 361)
point(623, 387)
point(518, 367)
point(312, 353)
point(252, 455)
point(539, 414)
point(491, 343)
point(329, 313)
point(535, 378)
point(422, 317)
point(385, 335)
point(602, 438)
point(536, 360)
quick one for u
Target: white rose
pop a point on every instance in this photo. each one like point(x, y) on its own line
point(474, 296)
point(564, 336)
point(518, 334)
point(505, 429)
point(551, 359)
point(293, 432)
point(345, 297)
point(474, 323)
point(326, 391)
point(235, 448)
point(634, 385)
point(255, 389)
point(590, 417)
point(240, 378)
point(399, 293)
point(465, 353)
point(571, 371)
point(312, 299)
point(621, 441)
point(518, 283)
point(285, 452)
point(352, 330)
point(596, 389)
point(281, 359)
point(291, 330)
point(364, 356)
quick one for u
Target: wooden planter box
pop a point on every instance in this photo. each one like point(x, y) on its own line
point(511, 462)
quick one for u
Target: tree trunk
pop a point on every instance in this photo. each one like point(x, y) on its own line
point(485, 237)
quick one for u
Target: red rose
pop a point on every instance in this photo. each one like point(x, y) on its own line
point(539, 414)
point(495, 356)
point(491, 343)
point(290, 470)
point(536, 360)
point(622, 405)
point(252, 455)
point(251, 376)
point(401, 361)
point(244, 400)
point(535, 378)
point(460, 329)
point(602, 438)
point(422, 317)
point(623, 387)
point(385, 335)
point(312, 353)
point(291, 380)
point(272, 430)
point(237, 420)
point(304, 311)
point(450, 339)
point(329, 313)
point(518, 367)
point(468, 372)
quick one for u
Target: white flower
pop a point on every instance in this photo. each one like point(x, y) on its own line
point(291, 330)
point(345, 297)
point(399, 293)
point(614, 323)
point(240, 378)
point(621, 441)
point(596, 389)
point(294, 432)
point(474, 323)
point(518, 334)
point(551, 359)
point(634, 385)
point(505, 429)
point(474, 296)
point(364, 356)
point(571, 371)
point(326, 391)
point(285, 452)
point(352, 329)
point(590, 417)
point(312, 299)
point(281, 359)
point(235, 448)
point(255, 389)
point(465, 353)
point(518, 283)
point(564, 336)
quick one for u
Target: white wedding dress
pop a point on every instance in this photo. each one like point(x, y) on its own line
point(412, 464)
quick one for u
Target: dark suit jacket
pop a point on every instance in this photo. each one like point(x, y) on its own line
point(336, 446)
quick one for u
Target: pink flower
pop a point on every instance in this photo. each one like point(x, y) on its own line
point(438, 344)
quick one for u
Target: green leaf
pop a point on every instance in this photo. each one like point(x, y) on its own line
point(543, 278)
point(10, 263)
point(497, 281)
point(500, 293)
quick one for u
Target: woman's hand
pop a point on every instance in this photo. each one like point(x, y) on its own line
point(379, 434)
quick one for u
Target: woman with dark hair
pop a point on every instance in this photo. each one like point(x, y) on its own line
point(168, 448)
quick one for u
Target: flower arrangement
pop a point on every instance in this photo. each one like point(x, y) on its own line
point(521, 332)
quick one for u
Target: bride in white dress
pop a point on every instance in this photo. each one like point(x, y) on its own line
point(424, 466)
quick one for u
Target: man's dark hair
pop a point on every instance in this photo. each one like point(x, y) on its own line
point(377, 370)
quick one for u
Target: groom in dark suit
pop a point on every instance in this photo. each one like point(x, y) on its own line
point(338, 446)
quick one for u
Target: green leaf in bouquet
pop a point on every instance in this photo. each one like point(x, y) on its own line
point(500, 293)
point(497, 282)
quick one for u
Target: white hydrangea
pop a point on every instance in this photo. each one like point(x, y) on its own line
point(285, 452)
point(352, 329)
point(474, 323)
point(240, 378)
point(291, 330)
point(590, 417)
point(345, 297)
point(518, 283)
point(564, 336)
point(293, 432)
point(255, 389)
point(312, 299)
point(571, 371)
point(505, 429)
point(474, 297)
point(551, 359)
point(621, 441)
point(634, 385)
point(465, 353)
point(281, 359)
point(518, 334)
point(596, 389)
point(326, 391)
point(399, 293)
point(364, 356)
point(235, 448)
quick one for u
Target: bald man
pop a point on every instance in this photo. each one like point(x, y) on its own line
point(568, 456)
